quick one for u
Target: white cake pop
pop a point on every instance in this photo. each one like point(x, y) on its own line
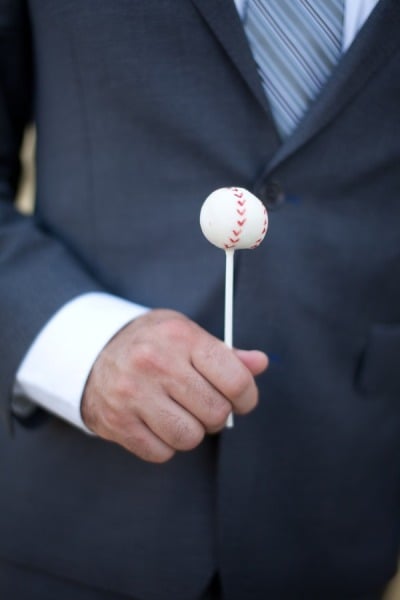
point(233, 218)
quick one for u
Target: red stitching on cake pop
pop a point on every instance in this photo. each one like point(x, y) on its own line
point(235, 234)
point(263, 232)
point(241, 210)
point(236, 192)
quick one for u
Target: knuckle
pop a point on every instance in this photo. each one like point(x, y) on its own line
point(181, 433)
point(195, 438)
point(172, 327)
point(136, 434)
point(218, 416)
point(146, 359)
point(123, 387)
point(250, 402)
point(113, 419)
point(175, 329)
point(138, 443)
point(240, 383)
point(211, 349)
point(101, 416)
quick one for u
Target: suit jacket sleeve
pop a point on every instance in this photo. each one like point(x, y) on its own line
point(37, 272)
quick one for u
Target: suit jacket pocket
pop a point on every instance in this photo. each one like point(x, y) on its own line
point(379, 371)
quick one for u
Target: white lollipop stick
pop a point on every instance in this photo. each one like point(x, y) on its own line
point(232, 218)
point(228, 324)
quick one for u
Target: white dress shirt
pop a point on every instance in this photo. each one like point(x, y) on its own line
point(55, 369)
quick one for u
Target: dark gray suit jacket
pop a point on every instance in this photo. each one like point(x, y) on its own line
point(143, 108)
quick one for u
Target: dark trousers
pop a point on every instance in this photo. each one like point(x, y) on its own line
point(20, 583)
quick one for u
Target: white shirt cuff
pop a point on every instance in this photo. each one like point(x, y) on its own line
point(54, 371)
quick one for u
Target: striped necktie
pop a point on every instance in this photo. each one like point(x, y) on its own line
point(296, 44)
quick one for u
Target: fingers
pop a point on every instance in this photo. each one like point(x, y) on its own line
point(142, 442)
point(172, 424)
point(162, 383)
point(254, 360)
point(195, 394)
point(224, 370)
point(126, 428)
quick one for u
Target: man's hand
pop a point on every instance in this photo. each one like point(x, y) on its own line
point(163, 382)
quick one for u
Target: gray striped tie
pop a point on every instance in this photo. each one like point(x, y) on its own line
point(295, 44)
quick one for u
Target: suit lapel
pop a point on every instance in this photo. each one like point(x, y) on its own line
point(224, 21)
point(373, 46)
point(378, 39)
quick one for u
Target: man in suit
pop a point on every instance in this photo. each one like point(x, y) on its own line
point(142, 109)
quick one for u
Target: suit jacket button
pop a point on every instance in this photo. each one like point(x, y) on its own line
point(272, 194)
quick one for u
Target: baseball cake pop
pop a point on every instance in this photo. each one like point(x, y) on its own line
point(233, 219)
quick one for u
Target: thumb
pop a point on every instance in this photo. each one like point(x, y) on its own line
point(255, 360)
